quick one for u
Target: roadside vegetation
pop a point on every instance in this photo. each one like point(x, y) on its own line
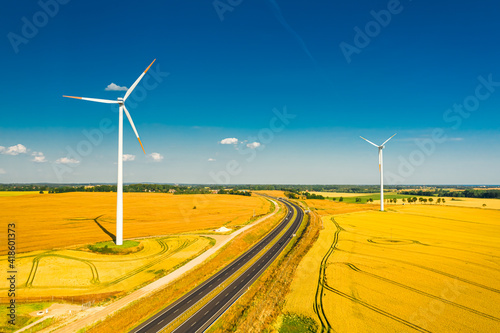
point(260, 308)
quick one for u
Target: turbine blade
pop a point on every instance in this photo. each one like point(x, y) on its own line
point(389, 139)
point(369, 141)
point(107, 101)
point(133, 127)
point(129, 91)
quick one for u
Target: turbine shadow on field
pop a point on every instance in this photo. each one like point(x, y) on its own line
point(113, 237)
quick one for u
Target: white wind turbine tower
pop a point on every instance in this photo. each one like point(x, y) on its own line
point(380, 168)
point(121, 102)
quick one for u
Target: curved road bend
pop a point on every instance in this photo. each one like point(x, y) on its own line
point(209, 313)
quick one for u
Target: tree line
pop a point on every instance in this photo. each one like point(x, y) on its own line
point(468, 193)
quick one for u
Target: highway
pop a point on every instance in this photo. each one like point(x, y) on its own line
point(219, 303)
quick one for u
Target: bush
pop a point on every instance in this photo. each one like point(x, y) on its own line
point(293, 323)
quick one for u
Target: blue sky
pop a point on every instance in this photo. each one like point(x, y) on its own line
point(411, 67)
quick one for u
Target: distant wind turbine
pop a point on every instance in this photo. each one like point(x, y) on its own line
point(121, 102)
point(380, 168)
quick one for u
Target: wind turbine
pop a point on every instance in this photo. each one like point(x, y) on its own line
point(380, 168)
point(121, 102)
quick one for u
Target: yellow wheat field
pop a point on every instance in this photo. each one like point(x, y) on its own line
point(16, 193)
point(76, 272)
point(473, 202)
point(456, 202)
point(416, 268)
point(273, 193)
point(49, 221)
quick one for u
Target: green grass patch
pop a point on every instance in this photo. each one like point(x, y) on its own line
point(40, 326)
point(109, 247)
point(22, 315)
point(294, 323)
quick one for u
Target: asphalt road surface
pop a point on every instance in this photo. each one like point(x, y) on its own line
point(220, 302)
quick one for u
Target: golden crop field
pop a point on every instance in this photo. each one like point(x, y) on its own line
point(458, 202)
point(49, 221)
point(76, 272)
point(425, 268)
point(16, 193)
point(473, 202)
point(273, 193)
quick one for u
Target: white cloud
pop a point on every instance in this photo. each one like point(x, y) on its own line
point(115, 87)
point(13, 150)
point(253, 145)
point(229, 141)
point(156, 157)
point(66, 160)
point(211, 159)
point(2, 171)
point(128, 157)
point(38, 157)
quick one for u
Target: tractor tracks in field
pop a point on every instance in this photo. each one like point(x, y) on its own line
point(322, 283)
point(476, 284)
point(153, 262)
point(36, 261)
point(163, 254)
point(375, 309)
point(323, 287)
point(406, 250)
point(479, 313)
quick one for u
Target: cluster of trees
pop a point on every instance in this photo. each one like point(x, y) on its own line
point(292, 195)
point(309, 195)
point(23, 187)
point(235, 192)
point(97, 188)
point(295, 194)
point(467, 193)
point(421, 200)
